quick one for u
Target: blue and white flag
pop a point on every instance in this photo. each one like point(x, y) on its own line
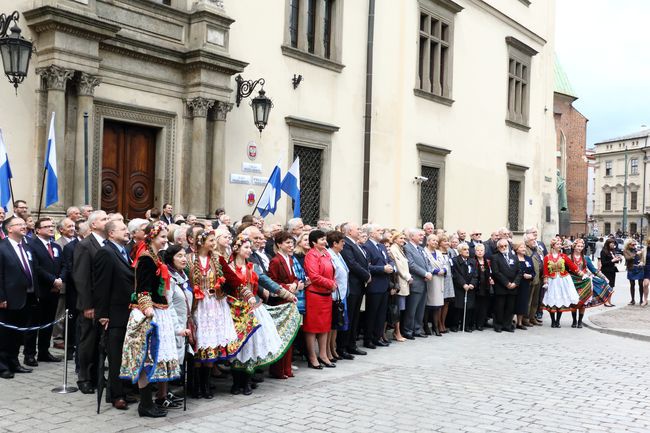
point(291, 185)
point(5, 175)
point(269, 200)
point(52, 187)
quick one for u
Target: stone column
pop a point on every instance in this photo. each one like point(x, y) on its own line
point(198, 165)
point(56, 78)
point(85, 103)
point(217, 195)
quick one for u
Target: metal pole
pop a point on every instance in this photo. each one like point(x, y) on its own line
point(624, 228)
point(65, 389)
point(87, 199)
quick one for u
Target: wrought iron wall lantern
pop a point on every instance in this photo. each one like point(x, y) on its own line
point(261, 104)
point(16, 51)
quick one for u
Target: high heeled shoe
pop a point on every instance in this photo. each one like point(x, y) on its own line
point(643, 304)
point(328, 365)
point(315, 367)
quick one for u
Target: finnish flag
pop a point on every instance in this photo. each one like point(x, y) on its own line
point(5, 175)
point(52, 190)
point(269, 200)
point(291, 185)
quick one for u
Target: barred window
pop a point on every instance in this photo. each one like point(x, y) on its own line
point(514, 202)
point(429, 194)
point(294, 12)
point(608, 201)
point(608, 228)
point(311, 166)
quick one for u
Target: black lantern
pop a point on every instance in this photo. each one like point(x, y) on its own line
point(261, 104)
point(15, 50)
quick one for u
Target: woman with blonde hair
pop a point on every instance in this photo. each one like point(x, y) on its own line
point(224, 240)
point(302, 248)
point(449, 295)
point(435, 287)
point(398, 239)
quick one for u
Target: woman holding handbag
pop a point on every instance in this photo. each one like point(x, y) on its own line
point(336, 240)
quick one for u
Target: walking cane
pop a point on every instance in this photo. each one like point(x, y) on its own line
point(464, 312)
point(187, 343)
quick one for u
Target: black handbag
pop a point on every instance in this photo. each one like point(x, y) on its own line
point(338, 311)
point(393, 310)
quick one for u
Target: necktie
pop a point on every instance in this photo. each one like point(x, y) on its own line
point(49, 249)
point(125, 256)
point(26, 269)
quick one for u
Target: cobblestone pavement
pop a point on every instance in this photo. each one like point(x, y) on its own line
point(540, 380)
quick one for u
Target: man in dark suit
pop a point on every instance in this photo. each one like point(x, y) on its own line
point(18, 286)
point(167, 214)
point(49, 256)
point(358, 278)
point(421, 272)
point(380, 266)
point(507, 275)
point(113, 284)
point(84, 254)
point(475, 239)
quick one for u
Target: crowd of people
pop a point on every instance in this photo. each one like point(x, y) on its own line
point(172, 298)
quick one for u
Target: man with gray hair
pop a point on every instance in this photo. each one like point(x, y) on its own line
point(74, 213)
point(421, 271)
point(507, 275)
point(136, 231)
point(536, 282)
point(295, 227)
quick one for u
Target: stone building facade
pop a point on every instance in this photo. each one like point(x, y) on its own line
point(461, 95)
point(571, 130)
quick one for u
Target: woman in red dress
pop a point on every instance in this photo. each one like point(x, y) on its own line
point(318, 299)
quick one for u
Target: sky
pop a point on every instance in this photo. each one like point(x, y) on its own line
point(603, 46)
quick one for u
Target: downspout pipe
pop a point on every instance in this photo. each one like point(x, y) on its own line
point(368, 112)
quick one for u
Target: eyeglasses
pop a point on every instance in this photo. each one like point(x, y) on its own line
point(46, 227)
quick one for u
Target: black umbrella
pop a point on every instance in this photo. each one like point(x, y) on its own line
point(101, 380)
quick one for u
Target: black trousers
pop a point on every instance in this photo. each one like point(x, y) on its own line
point(469, 318)
point(348, 339)
point(376, 307)
point(504, 310)
point(114, 351)
point(481, 309)
point(41, 312)
point(87, 349)
point(10, 340)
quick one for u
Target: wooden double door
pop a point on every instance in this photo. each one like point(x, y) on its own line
point(128, 168)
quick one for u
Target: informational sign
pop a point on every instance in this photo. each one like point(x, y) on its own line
point(258, 180)
point(251, 167)
point(240, 178)
point(251, 150)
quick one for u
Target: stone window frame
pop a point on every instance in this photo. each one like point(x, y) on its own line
point(607, 228)
point(634, 200)
point(444, 12)
point(316, 134)
point(607, 201)
point(301, 52)
point(520, 60)
point(433, 156)
point(609, 165)
point(517, 173)
point(634, 165)
point(164, 121)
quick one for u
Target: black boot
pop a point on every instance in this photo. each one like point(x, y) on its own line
point(427, 317)
point(146, 408)
point(246, 383)
point(575, 320)
point(205, 383)
point(557, 322)
point(580, 319)
point(552, 319)
point(235, 389)
point(194, 380)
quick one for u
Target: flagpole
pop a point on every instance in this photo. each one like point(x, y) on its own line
point(260, 198)
point(40, 200)
point(11, 191)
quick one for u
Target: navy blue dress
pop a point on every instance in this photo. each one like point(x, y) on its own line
point(523, 295)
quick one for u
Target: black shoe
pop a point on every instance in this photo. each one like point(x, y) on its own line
point(557, 324)
point(86, 388)
point(522, 327)
point(235, 390)
point(21, 369)
point(480, 328)
point(30, 360)
point(346, 355)
point(426, 329)
point(314, 366)
point(6, 374)
point(164, 403)
point(579, 324)
point(380, 343)
point(468, 329)
point(509, 330)
point(48, 357)
point(497, 329)
point(151, 412)
point(246, 389)
point(369, 345)
point(172, 397)
point(257, 378)
point(327, 365)
point(357, 351)
point(574, 324)
point(408, 336)
point(453, 329)
point(420, 335)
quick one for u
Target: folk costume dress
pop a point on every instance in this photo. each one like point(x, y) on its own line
point(279, 326)
point(561, 294)
point(150, 344)
point(220, 331)
point(593, 291)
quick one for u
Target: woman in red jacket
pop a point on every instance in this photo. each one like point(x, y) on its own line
point(318, 298)
point(281, 271)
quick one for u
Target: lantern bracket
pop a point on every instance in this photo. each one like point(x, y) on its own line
point(245, 87)
point(6, 20)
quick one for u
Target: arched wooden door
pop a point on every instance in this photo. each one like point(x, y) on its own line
point(128, 168)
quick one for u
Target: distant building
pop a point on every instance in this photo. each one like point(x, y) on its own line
point(591, 191)
point(610, 180)
point(571, 131)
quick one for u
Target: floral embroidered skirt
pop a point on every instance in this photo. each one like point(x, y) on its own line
point(279, 327)
point(215, 330)
point(150, 347)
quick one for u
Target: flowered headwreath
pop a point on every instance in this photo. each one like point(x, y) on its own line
point(154, 230)
point(202, 236)
point(238, 242)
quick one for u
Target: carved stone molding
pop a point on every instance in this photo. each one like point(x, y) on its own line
point(199, 106)
point(87, 84)
point(55, 77)
point(221, 110)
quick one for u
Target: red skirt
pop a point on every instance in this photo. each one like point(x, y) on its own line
point(318, 314)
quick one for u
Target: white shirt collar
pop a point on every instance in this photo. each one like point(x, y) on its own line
point(98, 238)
